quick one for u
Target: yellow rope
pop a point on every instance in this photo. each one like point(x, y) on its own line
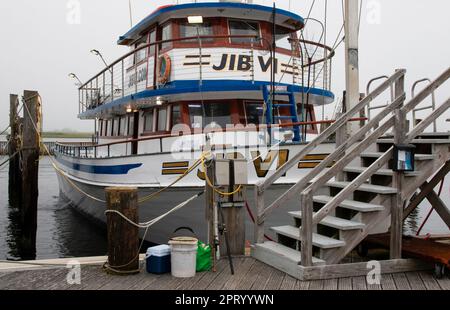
point(214, 187)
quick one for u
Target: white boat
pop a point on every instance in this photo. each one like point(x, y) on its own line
point(199, 76)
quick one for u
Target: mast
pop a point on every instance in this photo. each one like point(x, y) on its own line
point(351, 59)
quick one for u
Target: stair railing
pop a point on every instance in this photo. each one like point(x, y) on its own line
point(401, 136)
point(338, 126)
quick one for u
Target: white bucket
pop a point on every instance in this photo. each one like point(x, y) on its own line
point(183, 256)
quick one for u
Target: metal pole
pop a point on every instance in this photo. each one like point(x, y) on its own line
point(351, 59)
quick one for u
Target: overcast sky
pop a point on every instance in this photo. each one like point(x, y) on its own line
point(42, 41)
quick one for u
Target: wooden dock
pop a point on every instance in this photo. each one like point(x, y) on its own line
point(250, 275)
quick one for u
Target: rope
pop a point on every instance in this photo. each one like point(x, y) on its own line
point(11, 157)
point(214, 187)
point(146, 225)
point(250, 213)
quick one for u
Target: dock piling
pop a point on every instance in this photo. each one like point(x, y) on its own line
point(123, 237)
point(30, 169)
point(15, 175)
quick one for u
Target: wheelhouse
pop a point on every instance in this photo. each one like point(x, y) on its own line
point(213, 73)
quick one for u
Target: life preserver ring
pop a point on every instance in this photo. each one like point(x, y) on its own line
point(164, 68)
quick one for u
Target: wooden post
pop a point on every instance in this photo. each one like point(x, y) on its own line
point(123, 237)
point(15, 175)
point(397, 200)
point(341, 137)
point(306, 229)
point(30, 169)
point(259, 224)
point(233, 211)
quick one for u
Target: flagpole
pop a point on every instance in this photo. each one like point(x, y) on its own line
point(131, 14)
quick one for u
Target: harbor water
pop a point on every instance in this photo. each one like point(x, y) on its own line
point(62, 232)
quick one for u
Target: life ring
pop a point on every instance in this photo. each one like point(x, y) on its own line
point(164, 68)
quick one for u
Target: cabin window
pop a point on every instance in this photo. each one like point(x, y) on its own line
point(196, 115)
point(166, 35)
point(152, 39)
point(115, 131)
point(188, 30)
point(176, 115)
point(217, 114)
point(162, 119)
point(148, 121)
point(141, 54)
point(105, 127)
point(254, 112)
point(122, 126)
point(238, 27)
point(130, 125)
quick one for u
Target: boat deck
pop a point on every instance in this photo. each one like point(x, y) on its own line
point(249, 275)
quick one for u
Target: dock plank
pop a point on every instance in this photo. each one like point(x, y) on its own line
point(275, 280)
point(302, 285)
point(429, 281)
point(288, 283)
point(359, 283)
point(444, 283)
point(387, 282)
point(241, 272)
point(225, 275)
point(345, 284)
point(251, 276)
point(330, 284)
point(316, 285)
point(209, 277)
point(262, 278)
point(401, 282)
point(415, 281)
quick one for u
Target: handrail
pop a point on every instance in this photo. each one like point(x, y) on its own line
point(330, 159)
point(145, 46)
point(329, 131)
point(170, 135)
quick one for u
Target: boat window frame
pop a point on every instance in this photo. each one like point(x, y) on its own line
point(258, 43)
point(165, 47)
point(146, 131)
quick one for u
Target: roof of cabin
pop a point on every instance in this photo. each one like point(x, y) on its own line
point(286, 19)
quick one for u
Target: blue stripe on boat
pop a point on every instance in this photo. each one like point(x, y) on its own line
point(111, 170)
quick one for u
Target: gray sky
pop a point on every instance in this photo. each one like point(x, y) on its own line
point(41, 45)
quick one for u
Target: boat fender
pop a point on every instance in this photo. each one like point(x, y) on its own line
point(164, 68)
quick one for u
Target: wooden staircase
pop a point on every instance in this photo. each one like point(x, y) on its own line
point(360, 195)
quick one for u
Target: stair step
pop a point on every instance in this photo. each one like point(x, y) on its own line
point(334, 222)
point(386, 172)
point(419, 157)
point(318, 240)
point(351, 204)
point(287, 252)
point(377, 189)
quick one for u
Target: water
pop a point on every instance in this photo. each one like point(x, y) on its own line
point(62, 232)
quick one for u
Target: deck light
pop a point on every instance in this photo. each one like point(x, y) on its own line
point(195, 19)
point(75, 77)
point(129, 110)
point(97, 53)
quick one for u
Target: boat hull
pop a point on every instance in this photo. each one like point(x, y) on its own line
point(192, 215)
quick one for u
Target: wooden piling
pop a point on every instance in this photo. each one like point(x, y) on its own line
point(123, 237)
point(15, 175)
point(30, 169)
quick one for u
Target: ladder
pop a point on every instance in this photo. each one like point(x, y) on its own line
point(272, 119)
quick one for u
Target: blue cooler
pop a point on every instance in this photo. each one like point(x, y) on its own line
point(158, 259)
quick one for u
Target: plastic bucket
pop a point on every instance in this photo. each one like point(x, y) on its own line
point(183, 256)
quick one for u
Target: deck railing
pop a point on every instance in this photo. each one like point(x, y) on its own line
point(134, 72)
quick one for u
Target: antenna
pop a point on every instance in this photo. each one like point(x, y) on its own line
point(131, 13)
